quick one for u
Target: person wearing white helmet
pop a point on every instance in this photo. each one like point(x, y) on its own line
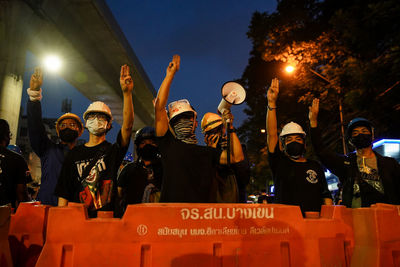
point(298, 180)
point(89, 171)
point(188, 169)
point(231, 180)
point(366, 176)
point(68, 127)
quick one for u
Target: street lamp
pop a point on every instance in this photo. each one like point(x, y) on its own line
point(290, 69)
point(52, 63)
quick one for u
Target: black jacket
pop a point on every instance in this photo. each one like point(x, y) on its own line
point(345, 167)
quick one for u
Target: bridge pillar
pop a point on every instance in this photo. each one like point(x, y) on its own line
point(12, 61)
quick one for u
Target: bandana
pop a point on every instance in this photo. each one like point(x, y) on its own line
point(183, 129)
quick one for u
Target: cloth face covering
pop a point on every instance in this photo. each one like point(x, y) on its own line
point(362, 140)
point(295, 150)
point(96, 127)
point(183, 129)
point(148, 152)
point(68, 135)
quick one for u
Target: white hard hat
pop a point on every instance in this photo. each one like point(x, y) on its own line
point(99, 107)
point(292, 128)
point(178, 107)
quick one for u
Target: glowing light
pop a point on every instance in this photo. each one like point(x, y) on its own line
point(385, 141)
point(52, 63)
point(262, 130)
point(289, 69)
point(272, 189)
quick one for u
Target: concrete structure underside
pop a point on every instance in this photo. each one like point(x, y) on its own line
point(91, 42)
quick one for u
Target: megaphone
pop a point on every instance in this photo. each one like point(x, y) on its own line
point(232, 94)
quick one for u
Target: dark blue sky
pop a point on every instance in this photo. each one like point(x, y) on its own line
point(210, 37)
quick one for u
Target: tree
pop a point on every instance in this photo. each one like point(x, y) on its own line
point(353, 44)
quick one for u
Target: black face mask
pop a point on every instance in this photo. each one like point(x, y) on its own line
point(148, 152)
point(361, 140)
point(295, 150)
point(68, 135)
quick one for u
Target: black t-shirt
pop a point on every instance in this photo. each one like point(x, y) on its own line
point(13, 171)
point(298, 183)
point(134, 178)
point(188, 170)
point(231, 182)
point(98, 189)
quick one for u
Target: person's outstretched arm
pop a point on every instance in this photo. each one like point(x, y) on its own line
point(162, 97)
point(236, 147)
point(37, 133)
point(126, 83)
point(272, 128)
point(331, 160)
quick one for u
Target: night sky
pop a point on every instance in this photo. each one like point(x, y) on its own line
point(210, 37)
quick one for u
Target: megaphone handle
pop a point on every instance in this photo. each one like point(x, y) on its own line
point(228, 148)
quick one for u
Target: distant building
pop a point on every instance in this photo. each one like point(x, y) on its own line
point(23, 138)
point(388, 147)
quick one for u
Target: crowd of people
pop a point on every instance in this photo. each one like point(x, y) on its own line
point(170, 166)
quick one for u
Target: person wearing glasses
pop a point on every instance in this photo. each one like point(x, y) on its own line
point(189, 170)
point(89, 171)
point(69, 127)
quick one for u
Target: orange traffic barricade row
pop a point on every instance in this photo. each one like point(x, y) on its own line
point(199, 235)
point(377, 236)
point(5, 255)
point(27, 233)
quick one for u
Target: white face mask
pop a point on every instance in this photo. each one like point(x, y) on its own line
point(96, 127)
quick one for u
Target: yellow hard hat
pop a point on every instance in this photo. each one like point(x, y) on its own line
point(69, 116)
point(210, 121)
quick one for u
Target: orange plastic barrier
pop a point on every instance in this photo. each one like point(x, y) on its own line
point(198, 235)
point(5, 255)
point(377, 235)
point(27, 233)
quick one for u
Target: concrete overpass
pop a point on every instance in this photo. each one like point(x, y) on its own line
point(91, 43)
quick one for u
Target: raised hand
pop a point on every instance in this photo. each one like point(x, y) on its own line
point(36, 79)
point(227, 117)
point(125, 79)
point(173, 66)
point(313, 111)
point(272, 93)
point(211, 140)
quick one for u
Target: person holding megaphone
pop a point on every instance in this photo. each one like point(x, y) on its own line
point(219, 132)
point(189, 170)
point(232, 179)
